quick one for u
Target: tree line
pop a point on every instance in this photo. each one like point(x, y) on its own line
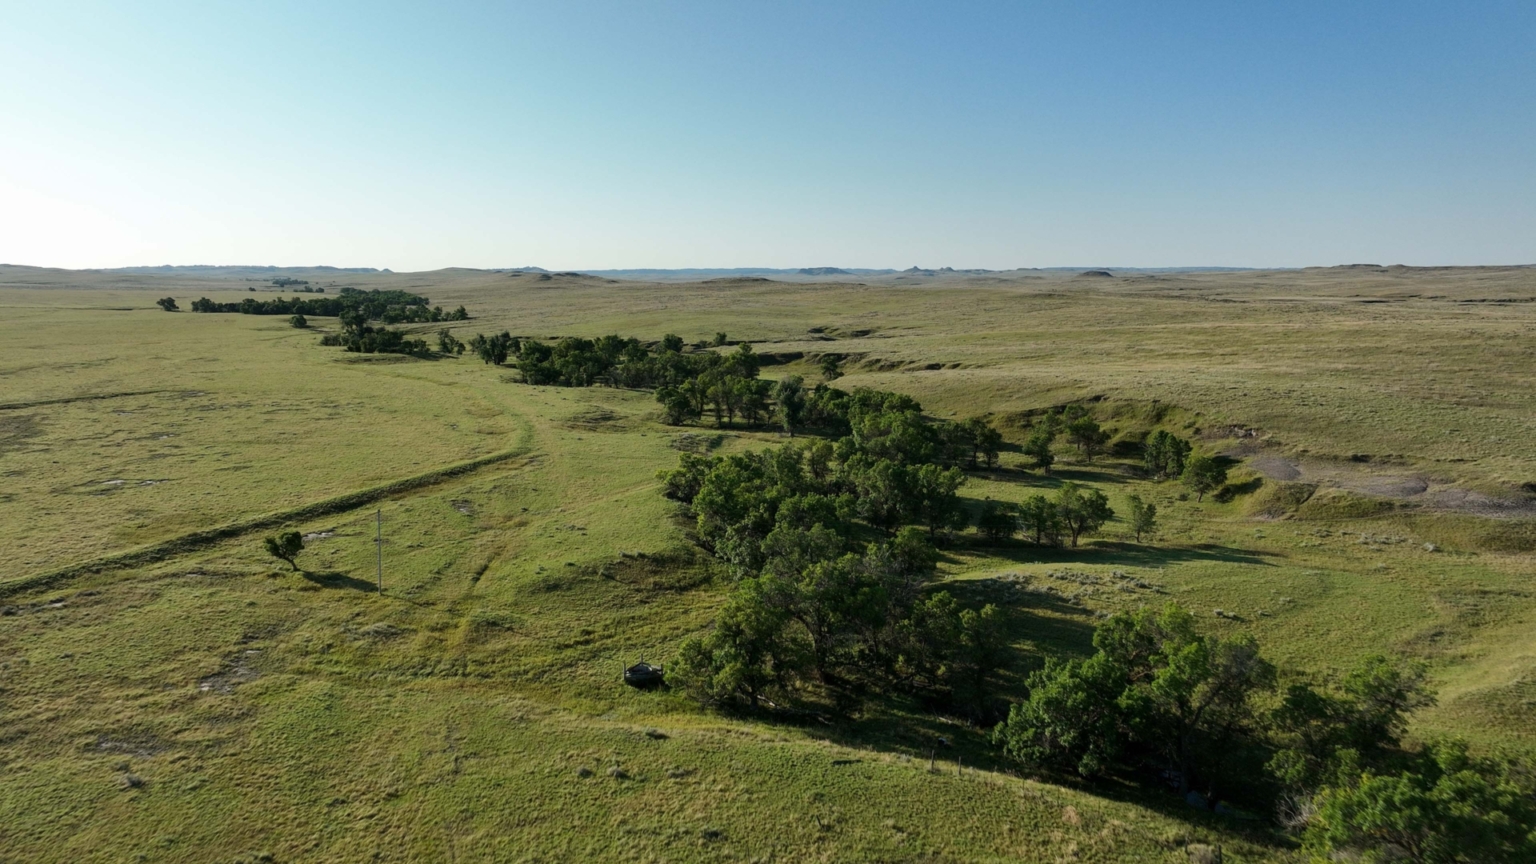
point(1160, 700)
point(390, 307)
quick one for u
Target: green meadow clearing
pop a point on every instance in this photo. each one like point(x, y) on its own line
point(169, 693)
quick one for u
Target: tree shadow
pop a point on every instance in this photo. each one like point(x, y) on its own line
point(1125, 554)
point(920, 724)
point(1103, 473)
point(336, 579)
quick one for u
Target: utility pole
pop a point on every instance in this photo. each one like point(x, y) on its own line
point(378, 541)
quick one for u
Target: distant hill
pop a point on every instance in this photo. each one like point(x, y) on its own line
point(235, 271)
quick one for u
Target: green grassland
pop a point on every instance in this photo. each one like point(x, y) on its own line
point(168, 694)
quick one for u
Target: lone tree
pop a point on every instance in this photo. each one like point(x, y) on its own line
point(1143, 517)
point(286, 547)
point(1082, 511)
point(831, 367)
point(168, 304)
point(1203, 474)
point(299, 321)
point(1088, 437)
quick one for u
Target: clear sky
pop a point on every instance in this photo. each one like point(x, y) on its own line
point(767, 134)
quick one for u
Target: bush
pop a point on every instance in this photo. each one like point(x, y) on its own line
point(285, 547)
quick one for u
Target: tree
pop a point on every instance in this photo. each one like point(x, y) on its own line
point(1194, 698)
point(1071, 719)
point(936, 503)
point(883, 491)
point(1316, 733)
point(996, 521)
point(1084, 432)
point(672, 343)
point(983, 440)
point(1038, 447)
point(719, 340)
point(1143, 517)
point(675, 405)
point(1082, 511)
point(1203, 474)
point(789, 401)
point(298, 321)
point(831, 367)
point(1038, 515)
point(286, 547)
point(1448, 808)
point(459, 314)
point(1154, 689)
point(448, 344)
point(1164, 455)
point(168, 304)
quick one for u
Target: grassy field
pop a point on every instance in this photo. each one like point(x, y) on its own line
point(196, 703)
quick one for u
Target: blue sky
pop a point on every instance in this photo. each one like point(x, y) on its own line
point(627, 134)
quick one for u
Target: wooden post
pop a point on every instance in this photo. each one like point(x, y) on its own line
point(378, 541)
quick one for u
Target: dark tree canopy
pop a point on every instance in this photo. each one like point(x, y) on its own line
point(285, 547)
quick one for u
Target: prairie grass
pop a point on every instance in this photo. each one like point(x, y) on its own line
point(473, 711)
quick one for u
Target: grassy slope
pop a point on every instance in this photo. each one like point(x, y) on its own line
point(307, 717)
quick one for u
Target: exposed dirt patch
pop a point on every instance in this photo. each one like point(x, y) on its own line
point(133, 743)
point(1276, 467)
point(1391, 487)
point(237, 671)
point(1478, 504)
point(1354, 476)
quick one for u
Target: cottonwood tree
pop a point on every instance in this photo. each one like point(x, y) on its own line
point(168, 304)
point(1204, 474)
point(1038, 515)
point(1449, 807)
point(789, 401)
point(1154, 689)
point(1082, 511)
